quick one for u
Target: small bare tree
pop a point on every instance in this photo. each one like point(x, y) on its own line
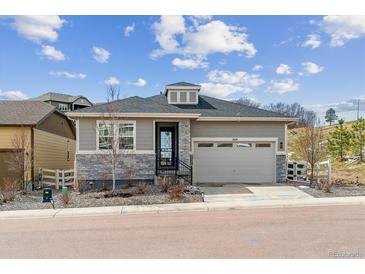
point(311, 148)
point(108, 131)
point(21, 161)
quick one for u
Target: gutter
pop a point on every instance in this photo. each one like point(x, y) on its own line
point(131, 114)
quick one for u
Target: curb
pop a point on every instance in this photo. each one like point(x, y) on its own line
point(182, 207)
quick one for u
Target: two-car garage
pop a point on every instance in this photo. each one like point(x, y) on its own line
point(234, 161)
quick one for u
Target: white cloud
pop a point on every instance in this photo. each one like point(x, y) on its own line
point(225, 83)
point(312, 68)
point(201, 39)
point(217, 37)
point(257, 67)
point(69, 75)
point(283, 69)
point(282, 86)
point(12, 95)
point(189, 63)
point(112, 81)
point(165, 34)
point(38, 28)
point(139, 83)
point(343, 28)
point(52, 53)
point(101, 55)
point(128, 30)
point(313, 41)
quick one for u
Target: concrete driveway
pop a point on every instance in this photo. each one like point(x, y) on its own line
point(250, 192)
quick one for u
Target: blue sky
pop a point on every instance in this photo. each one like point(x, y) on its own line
point(318, 61)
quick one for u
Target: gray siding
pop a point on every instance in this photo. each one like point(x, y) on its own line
point(144, 134)
point(87, 134)
point(87, 131)
point(239, 129)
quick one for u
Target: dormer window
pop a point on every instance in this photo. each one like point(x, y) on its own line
point(182, 93)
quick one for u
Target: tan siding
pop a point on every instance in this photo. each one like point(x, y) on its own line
point(50, 151)
point(58, 124)
point(9, 134)
point(87, 134)
point(239, 129)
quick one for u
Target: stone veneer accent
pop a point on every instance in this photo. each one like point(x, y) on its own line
point(98, 166)
point(281, 166)
point(184, 141)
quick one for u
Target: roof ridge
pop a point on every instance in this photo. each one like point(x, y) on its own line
point(237, 104)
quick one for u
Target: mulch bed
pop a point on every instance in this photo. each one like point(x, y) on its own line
point(122, 196)
point(337, 190)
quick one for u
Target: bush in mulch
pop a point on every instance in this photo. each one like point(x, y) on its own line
point(8, 189)
point(176, 191)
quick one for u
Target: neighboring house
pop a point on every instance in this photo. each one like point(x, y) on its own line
point(64, 102)
point(38, 132)
point(181, 131)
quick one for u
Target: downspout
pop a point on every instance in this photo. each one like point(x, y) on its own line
point(32, 154)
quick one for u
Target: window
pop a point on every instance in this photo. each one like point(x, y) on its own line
point(205, 145)
point(68, 153)
point(183, 96)
point(126, 136)
point(173, 97)
point(225, 145)
point(63, 107)
point(244, 145)
point(105, 136)
point(192, 97)
point(263, 145)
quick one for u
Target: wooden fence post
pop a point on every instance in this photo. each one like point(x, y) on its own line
point(57, 178)
point(63, 177)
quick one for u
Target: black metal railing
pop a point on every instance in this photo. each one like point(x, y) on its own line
point(174, 167)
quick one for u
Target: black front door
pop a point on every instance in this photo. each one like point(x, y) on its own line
point(167, 147)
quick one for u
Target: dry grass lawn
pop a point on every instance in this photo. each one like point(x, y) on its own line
point(343, 172)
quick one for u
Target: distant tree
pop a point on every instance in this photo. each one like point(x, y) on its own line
point(246, 101)
point(358, 141)
point(310, 147)
point(339, 141)
point(330, 116)
point(305, 117)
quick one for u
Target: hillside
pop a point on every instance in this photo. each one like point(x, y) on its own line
point(344, 172)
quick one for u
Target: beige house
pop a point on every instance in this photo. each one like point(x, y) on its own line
point(38, 133)
point(184, 134)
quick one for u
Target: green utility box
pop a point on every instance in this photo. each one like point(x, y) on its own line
point(47, 195)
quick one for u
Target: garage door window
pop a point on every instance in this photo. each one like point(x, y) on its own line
point(263, 145)
point(244, 145)
point(225, 145)
point(205, 145)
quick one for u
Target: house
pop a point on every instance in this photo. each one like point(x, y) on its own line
point(64, 102)
point(38, 133)
point(182, 133)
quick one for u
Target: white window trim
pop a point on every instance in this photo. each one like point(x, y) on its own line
point(116, 135)
point(178, 102)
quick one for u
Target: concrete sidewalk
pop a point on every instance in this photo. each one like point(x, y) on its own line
point(187, 207)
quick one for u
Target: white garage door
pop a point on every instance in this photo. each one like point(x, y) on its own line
point(227, 162)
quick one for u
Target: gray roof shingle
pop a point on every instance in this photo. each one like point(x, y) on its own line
point(59, 97)
point(23, 112)
point(183, 84)
point(207, 107)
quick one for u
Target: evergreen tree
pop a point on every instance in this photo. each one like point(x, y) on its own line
point(339, 141)
point(330, 116)
point(359, 137)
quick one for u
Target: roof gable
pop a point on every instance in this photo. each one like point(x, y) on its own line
point(24, 112)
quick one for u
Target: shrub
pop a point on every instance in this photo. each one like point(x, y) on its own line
point(80, 185)
point(9, 188)
point(165, 184)
point(176, 192)
point(66, 198)
point(141, 188)
point(325, 185)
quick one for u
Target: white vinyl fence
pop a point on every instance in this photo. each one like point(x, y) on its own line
point(57, 177)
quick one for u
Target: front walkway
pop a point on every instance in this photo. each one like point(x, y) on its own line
point(242, 192)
